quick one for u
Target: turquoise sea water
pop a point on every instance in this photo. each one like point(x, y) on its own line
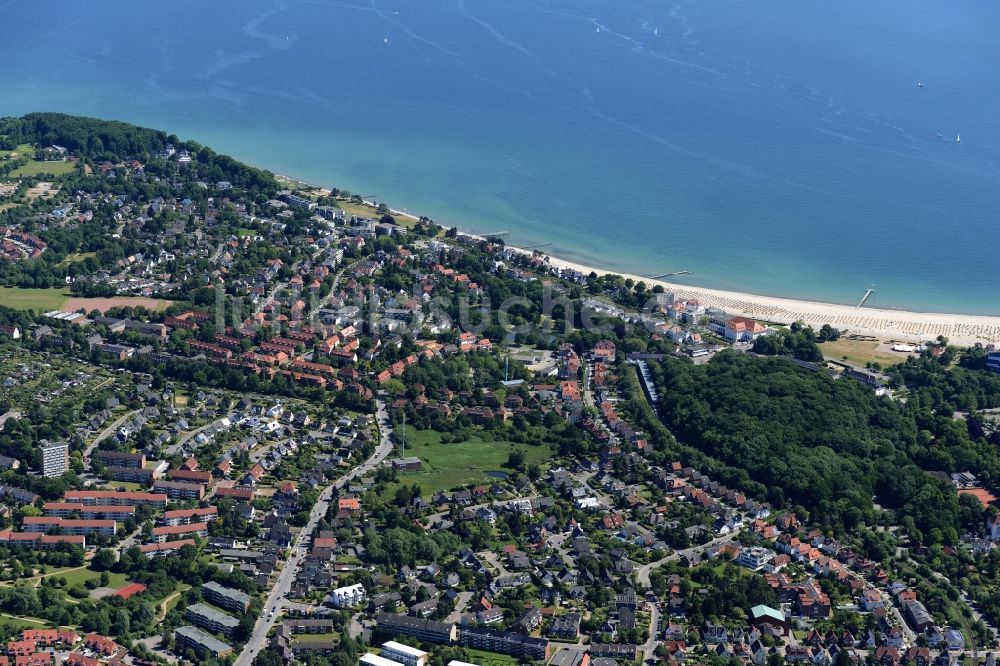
point(772, 146)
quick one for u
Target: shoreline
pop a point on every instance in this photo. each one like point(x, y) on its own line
point(903, 325)
point(877, 322)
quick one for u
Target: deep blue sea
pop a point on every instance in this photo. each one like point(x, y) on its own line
point(773, 146)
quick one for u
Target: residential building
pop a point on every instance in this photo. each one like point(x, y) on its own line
point(188, 516)
point(95, 512)
point(211, 619)
point(236, 493)
point(918, 616)
point(55, 460)
point(369, 659)
point(46, 524)
point(165, 548)
point(166, 533)
point(504, 642)
point(349, 596)
point(226, 597)
point(404, 654)
point(180, 490)
point(116, 498)
point(40, 541)
point(420, 628)
point(142, 475)
point(120, 459)
point(200, 642)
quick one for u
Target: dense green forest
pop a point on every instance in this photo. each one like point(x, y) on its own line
point(831, 446)
point(110, 138)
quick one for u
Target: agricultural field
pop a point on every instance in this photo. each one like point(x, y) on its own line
point(39, 300)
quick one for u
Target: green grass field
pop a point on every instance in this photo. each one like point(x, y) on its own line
point(491, 658)
point(859, 352)
point(36, 167)
point(75, 257)
point(17, 623)
point(447, 466)
point(40, 300)
point(81, 576)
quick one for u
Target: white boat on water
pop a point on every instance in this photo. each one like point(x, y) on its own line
point(958, 138)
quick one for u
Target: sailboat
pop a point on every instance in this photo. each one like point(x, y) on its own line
point(958, 138)
point(656, 32)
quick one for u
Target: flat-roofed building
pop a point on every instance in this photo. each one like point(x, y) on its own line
point(211, 619)
point(404, 654)
point(226, 597)
point(201, 642)
point(370, 659)
point(55, 460)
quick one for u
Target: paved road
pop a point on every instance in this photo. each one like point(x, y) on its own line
point(276, 600)
point(12, 414)
point(460, 605)
point(649, 646)
point(108, 431)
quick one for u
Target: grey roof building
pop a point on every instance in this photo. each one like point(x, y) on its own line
point(226, 597)
point(211, 619)
point(199, 641)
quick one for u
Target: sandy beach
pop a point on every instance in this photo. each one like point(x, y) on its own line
point(895, 324)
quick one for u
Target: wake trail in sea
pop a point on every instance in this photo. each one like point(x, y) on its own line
point(251, 28)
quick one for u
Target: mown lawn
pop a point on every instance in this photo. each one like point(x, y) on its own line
point(37, 168)
point(859, 352)
point(491, 658)
point(447, 466)
point(17, 623)
point(81, 576)
point(40, 300)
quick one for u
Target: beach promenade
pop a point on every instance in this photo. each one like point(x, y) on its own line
point(897, 324)
point(877, 322)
